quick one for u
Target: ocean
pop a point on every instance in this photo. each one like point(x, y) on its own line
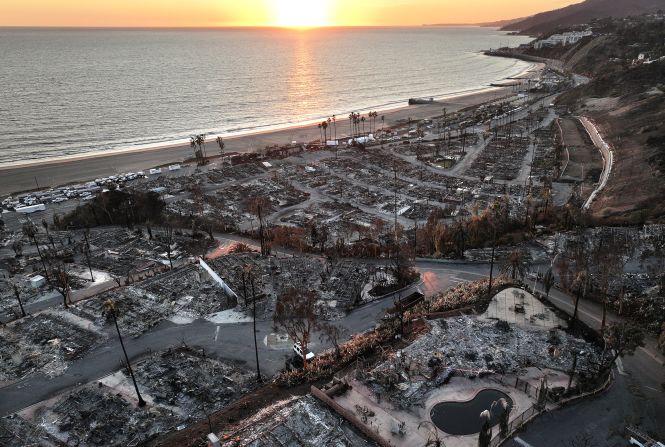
point(70, 91)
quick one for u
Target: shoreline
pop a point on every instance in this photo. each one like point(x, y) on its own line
point(54, 171)
point(229, 136)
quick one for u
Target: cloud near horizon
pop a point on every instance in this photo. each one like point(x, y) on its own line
point(202, 13)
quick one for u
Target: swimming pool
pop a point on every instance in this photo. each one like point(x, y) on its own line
point(463, 418)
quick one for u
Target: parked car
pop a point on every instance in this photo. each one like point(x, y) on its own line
point(297, 348)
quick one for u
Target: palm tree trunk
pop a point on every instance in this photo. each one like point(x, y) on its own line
point(577, 302)
point(18, 298)
point(129, 366)
point(602, 323)
point(41, 258)
point(87, 255)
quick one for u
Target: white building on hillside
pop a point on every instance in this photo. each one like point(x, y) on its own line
point(569, 38)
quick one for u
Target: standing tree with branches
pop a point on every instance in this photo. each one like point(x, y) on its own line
point(296, 313)
point(259, 206)
point(61, 281)
point(623, 338)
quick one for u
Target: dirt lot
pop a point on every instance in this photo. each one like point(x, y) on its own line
point(586, 162)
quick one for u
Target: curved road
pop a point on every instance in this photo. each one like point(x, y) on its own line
point(227, 341)
point(635, 396)
point(608, 158)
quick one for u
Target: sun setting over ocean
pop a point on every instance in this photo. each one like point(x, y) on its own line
point(318, 223)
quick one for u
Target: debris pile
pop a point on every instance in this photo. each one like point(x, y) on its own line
point(17, 432)
point(501, 159)
point(43, 342)
point(302, 422)
point(94, 416)
point(191, 382)
point(469, 347)
point(182, 294)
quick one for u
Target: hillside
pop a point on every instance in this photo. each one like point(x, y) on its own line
point(627, 102)
point(580, 13)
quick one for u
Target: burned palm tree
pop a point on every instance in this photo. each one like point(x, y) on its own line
point(433, 440)
point(201, 141)
point(221, 144)
point(18, 298)
point(48, 234)
point(168, 233)
point(485, 436)
point(334, 121)
point(30, 232)
point(110, 309)
point(515, 265)
point(86, 251)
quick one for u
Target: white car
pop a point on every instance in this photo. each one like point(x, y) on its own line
point(297, 348)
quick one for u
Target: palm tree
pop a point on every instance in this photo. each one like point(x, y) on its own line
point(18, 298)
point(363, 122)
point(30, 231)
point(320, 126)
point(329, 124)
point(110, 309)
point(324, 125)
point(334, 119)
point(383, 121)
point(352, 117)
point(48, 235)
point(86, 250)
point(202, 145)
point(193, 143)
point(515, 264)
point(433, 439)
point(221, 144)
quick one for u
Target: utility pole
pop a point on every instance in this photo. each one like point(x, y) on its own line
point(489, 289)
point(415, 238)
point(395, 170)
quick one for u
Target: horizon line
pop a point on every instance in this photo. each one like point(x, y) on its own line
point(211, 27)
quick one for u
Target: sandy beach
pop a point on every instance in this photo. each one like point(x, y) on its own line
point(25, 176)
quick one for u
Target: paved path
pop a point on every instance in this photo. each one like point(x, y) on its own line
point(608, 159)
